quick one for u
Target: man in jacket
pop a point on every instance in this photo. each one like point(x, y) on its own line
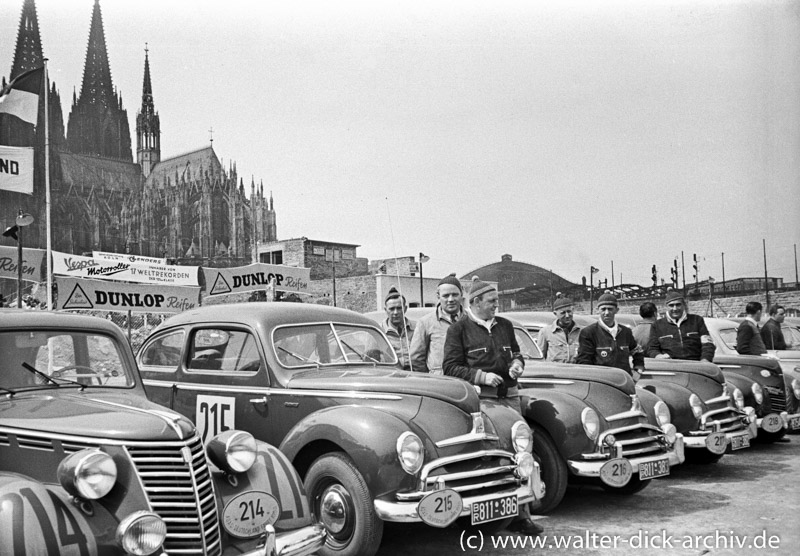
point(641, 331)
point(771, 332)
point(427, 345)
point(748, 335)
point(398, 329)
point(559, 340)
point(609, 343)
point(680, 335)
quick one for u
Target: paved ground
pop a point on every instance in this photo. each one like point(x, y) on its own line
point(747, 504)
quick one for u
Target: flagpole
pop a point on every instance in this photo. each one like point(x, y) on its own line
point(47, 186)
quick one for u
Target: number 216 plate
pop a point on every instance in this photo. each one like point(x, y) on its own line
point(498, 508)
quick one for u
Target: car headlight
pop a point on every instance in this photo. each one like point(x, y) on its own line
point(232, 451)
point(524, 462)
point(662, 413)
point(591, 422)
point(796, 388)
point(738, 398)
point(522, 437)
point(90, 474)
point(410, 452)
point(670, 433)
point(758, 393)
point(141, 533)
point(696, 405)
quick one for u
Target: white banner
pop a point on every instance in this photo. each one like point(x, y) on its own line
point(16, 169)
point(32, 260)
point(75, 293)
point(257, 276)
point(76, 266)
point(128, 258)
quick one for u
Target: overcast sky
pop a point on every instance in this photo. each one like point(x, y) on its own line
point(566, 134)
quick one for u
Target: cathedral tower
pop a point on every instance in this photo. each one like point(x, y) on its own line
point(148, 126)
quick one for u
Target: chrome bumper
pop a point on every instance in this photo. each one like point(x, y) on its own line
point(698, 440)
point(583, 468)
point(784, 417)
point(787, 418)
point(300, 542)
point(406, 512)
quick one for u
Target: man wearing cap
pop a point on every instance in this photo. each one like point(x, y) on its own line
point(608, 343)
point(680, 335)
point(482, 349)
point(559, 340)
point(427, 344)
point(397, 327)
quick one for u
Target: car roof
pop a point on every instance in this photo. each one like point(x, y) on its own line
point(22, 318)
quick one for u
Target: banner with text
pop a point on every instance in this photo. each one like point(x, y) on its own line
point(32, 263)
point(81, 293)
point(76, 266)
point(257, 276)
point(16, 169)
point(128, 258)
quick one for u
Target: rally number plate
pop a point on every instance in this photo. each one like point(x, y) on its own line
point(740, 441)
point(772, 422)
point(716, 443)
point(497, 508)
point(653, 469)
point(616, 472)
point(440, 508)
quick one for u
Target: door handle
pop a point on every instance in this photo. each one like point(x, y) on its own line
point(259, 400)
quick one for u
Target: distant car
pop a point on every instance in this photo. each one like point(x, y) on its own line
point(89, 466)
point(372, 443)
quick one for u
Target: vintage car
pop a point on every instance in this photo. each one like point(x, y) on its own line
point(89, 466)
point(372, 443)
point(709, 413)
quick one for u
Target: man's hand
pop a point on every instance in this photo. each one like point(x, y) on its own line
point(662, 356)
point(516, 369)
point(492, 379)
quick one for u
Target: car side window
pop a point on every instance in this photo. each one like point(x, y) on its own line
point(164, 351)
point(224, 351)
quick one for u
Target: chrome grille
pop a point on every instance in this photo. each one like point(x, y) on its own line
point(777, 398)
point(636, 440)
point(179, 485)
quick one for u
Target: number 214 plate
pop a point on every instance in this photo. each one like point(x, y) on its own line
point(498, 508)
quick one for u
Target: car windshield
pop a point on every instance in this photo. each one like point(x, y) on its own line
point(53, 358)
point(330, 344)
point(791, 335)
point(728, 337)
point(527, 346)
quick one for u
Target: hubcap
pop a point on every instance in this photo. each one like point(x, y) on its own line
point(335, 507)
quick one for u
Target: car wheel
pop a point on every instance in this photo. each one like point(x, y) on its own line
point(553, 468)
point(634, 486)
point(701, 456)
point(341, 501)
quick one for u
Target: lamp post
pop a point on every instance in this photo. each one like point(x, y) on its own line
point(15, 231)
point(422, 259)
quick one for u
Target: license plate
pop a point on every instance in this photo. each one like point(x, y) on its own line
point(440, 508)
point(740, 441)
point(794, 423)
point(498, 508)
point(653, 469)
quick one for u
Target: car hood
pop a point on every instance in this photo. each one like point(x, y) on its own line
point(615, 378)
point(709, 370)
point(454, 391)
point(113, 416)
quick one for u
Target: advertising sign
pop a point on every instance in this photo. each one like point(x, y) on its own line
point(32, 263)
point(258, 276)
point(79, 293)
point(76, 266)
point(128, 258)
point(16, 169)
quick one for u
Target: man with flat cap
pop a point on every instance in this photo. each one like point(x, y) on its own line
point(679, 335)
point(608, 343)
point(398, 329)
point(559, 340)
point(427, 344)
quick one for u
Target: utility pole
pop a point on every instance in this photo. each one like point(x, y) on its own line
point(796, 280)
point(683, 274)
point(723, 275)
point(696, 271)
point(612, 275)
point(766, 276)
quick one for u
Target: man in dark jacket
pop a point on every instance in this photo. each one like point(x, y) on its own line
point(608, 343)
point(771, 332)
point(680, 335)
point(748, 335)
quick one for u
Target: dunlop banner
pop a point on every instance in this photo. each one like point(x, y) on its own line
point(77, 293)
point(257, 276)
point(32, 263)
point(76, 266)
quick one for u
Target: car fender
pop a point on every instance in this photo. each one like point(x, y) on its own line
point(649, 401)
point(367, 435)
point(559, 414)
point(745, 384)
point(677, 399)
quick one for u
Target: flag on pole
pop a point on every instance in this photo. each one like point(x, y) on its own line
point(20, 98)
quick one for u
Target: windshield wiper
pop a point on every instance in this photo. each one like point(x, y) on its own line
point(361, 355)
point(50, 379)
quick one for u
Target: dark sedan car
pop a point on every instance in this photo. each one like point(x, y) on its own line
point(373, 443)
point(89, 466)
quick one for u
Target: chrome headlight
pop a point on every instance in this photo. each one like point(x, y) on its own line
point(524, 462)
point(738, 398)
point(696, 405)
point(410, 452)
point(662, 413)
point(141, 533)
point(758, 393)
point(591, 422)
point(670, 433)
point(232, 451)
point(796, 388)
point(522, 437)
point(89, 474)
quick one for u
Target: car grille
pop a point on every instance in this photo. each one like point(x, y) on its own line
point(722, 412)
point(637, 440)
point(777, 398)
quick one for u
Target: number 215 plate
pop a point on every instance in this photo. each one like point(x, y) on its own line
point(498, 508)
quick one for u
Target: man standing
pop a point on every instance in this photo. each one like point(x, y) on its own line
point(397, 327)
point(427, 344)
point(608, 343)
point(771, 332)
point(559, 340)
point(748, 335)
point(680, 335)
point(641, 331)
point(482, 349)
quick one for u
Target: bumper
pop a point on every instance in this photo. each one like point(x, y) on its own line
point(300, 542)
point(583, 468)
point(698, 441)
point(773, 422)
point(406, 512)
point(791, 421)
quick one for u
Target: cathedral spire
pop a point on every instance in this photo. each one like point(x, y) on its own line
point(97, 87)
point(28, 54)
point(148, 125)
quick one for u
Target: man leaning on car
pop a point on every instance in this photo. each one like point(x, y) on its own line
point(680, 335)
point(427, 344)
point(559, 340)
